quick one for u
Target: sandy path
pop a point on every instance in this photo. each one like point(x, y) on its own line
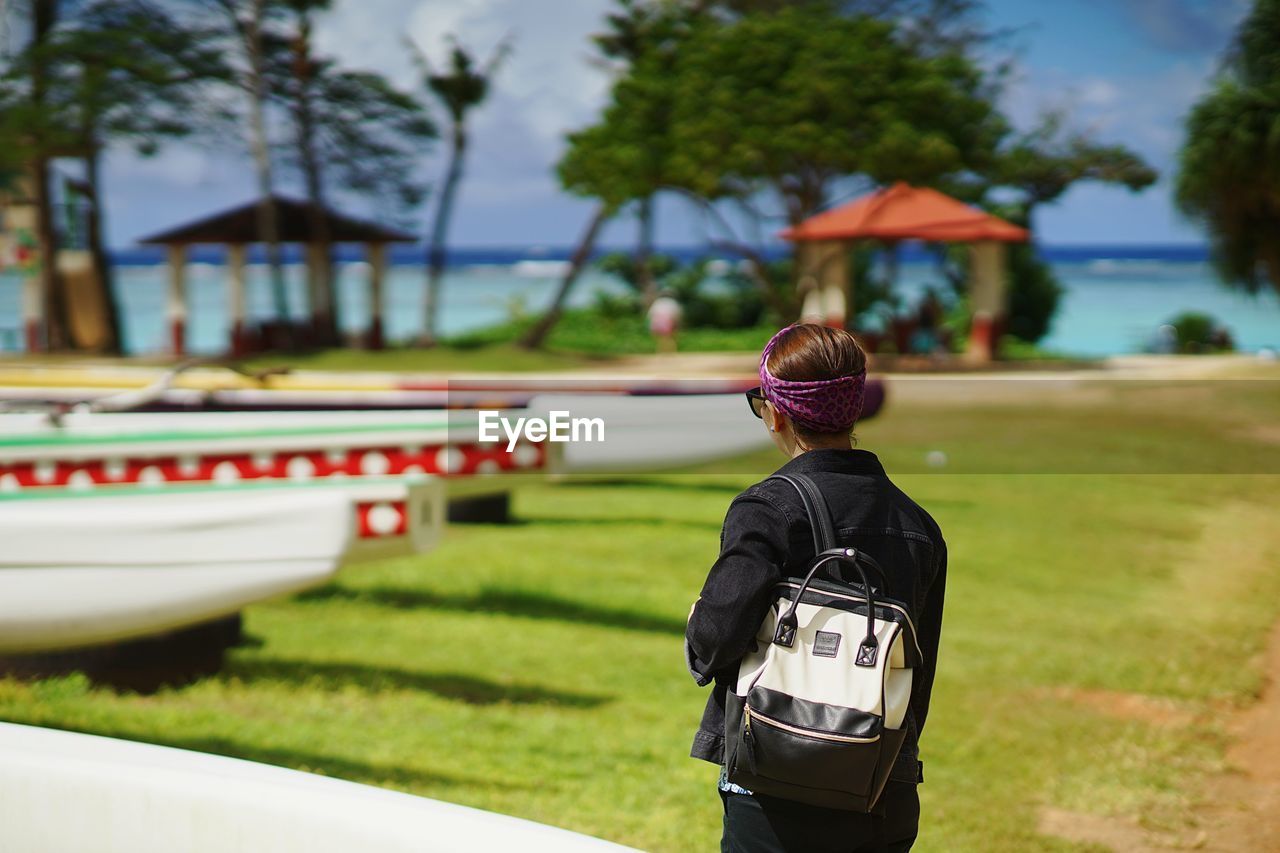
point(1245, 815)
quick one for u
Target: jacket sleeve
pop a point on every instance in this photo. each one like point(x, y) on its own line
point(736, 595)
point(930, 634)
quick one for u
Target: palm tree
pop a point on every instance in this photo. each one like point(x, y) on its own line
point(1229, 167)
point(247, 22)
point(459, 87)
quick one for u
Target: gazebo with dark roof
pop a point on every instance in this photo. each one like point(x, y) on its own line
point(237, 228)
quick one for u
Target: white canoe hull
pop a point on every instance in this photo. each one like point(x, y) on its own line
point(93, 570)
point(63, 792)
point(652, 433)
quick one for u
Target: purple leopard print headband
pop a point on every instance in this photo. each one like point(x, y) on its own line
point(822, 405)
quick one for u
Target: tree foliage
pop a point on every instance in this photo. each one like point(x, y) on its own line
point(1047, 160)
point(1229, 166)
point(791, 101)
point(117, 72)
point(368, 136)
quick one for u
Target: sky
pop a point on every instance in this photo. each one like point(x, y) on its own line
point(1125, 70)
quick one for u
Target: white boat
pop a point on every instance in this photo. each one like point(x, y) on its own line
point(79, 570)
point(655, 432)
point(119, 568)
point(62, 791)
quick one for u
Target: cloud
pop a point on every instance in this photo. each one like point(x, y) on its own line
point(1144, 111)
point(1202, 26)
point(546, 87)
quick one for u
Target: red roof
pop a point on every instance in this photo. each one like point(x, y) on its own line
point(903, 212)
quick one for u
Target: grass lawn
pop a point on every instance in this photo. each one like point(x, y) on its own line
point(491, 357)
point(536, 668)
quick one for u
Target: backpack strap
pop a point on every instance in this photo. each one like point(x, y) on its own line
point(815, 506)
point(824, 534)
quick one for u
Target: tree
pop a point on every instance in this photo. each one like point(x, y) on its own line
point(1229, 166)
point(640, 47)
point(44, 17)
point(461, 86)
point(117, 72)
point(622, 159)
point(245, 32)
point(1046, 161)
point(538, 333)
point(352, 129)
point(777, 109)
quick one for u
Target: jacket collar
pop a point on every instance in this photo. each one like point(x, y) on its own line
point(836, 461)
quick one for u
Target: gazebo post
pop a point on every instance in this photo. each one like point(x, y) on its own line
point(989, 299)
point(176, 306)
point(833, 278)
point(21, 220)
point(317, 290)
point(377, 254)
point(824, 271)
point(236, 303)
point(33, 313)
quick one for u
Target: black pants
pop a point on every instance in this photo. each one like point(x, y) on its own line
point(760, 824)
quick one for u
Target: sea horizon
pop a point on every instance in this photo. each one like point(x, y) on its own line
point(1115, 297)
point(409, 254)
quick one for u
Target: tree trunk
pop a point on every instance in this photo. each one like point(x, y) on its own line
point(439, 231)
point(644, 251)
point(44, 16)
point(95, 228)
point(537, 335)
point(320, 280)
point(268, 224)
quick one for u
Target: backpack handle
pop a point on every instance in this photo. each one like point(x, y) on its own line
point(785, 633)
point(827, 552)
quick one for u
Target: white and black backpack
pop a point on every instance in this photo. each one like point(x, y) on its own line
point(817, 714)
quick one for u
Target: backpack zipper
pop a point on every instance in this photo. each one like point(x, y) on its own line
point(778, 724)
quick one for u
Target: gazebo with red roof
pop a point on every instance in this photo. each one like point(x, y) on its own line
point(897, 213)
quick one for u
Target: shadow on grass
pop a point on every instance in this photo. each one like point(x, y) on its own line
point(369, 773)
point(711, 527)
point(682, 482)
point(455, 686)
point(531, 605)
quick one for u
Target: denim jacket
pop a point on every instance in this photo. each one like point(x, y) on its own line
point(766, 537)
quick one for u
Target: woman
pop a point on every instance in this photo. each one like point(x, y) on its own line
point(811, 388)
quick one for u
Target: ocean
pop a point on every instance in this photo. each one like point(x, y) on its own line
point(1115, 298)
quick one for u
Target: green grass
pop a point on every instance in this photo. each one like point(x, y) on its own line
point(535, 668)
point(588, 331)
point(499, 357)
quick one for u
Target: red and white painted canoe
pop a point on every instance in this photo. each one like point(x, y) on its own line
point(64, 791)
point(87, 451)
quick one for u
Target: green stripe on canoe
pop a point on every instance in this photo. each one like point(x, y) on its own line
point(135, 490)
point(64, 440)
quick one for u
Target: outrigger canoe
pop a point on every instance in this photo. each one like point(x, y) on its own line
point(87, 451)
point(62, 791)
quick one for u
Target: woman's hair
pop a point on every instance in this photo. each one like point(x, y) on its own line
point(811, 353)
